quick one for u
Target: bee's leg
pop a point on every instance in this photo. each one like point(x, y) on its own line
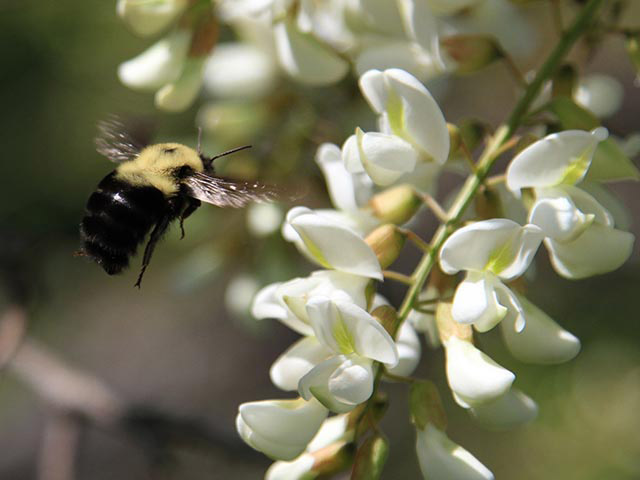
point(156, 234)
point(192, 206)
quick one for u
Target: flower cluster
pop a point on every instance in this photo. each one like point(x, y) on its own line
point(316, 43)
point(351, 336)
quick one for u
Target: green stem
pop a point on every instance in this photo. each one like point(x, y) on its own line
point(492, 151)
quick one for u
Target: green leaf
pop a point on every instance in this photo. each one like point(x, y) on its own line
point(571, 115)
point(371, 458)
point(425, 405)
point(611, 164)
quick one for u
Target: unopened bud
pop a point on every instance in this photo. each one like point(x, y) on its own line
point(425, 405)
point(396, 205)
point(488, 204)
point(448, 327)
point(471, 52)
point(371, 458)
point(333, 458)
point(386, 316)
point(386, 241)
point(455, 138)
point(149, 18)
point(472, 132)
point(564, 81)
point(633, 49)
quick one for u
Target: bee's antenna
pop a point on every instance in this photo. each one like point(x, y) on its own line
point(229, 152)
point(199, 140)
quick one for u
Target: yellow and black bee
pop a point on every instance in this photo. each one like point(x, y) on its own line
point(152, 186)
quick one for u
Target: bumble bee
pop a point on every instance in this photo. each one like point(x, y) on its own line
point(152, 186)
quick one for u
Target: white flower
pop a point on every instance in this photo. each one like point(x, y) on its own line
point(159, 65)
point(239, 70)
point(422, 28)
point(304, 58)
point(340, 383)
point(347, 328)
point(441, 459)
point(489, 250)
point(332, 430)
point(543, 341)
point(559, 158)
point(354, 339)
point(240, 290)
point(287, 301)
point(473, 377)
point(450, 7)
point(178, 95)
point(599, 93)
point(348, 191)
point(331, 244)
point(298, 360)
point(281, 429)
point(384, 157)
point(505, 412)
point(407, 108)
point(148, 18)
point(580, 233)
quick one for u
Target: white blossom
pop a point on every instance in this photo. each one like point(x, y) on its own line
point(148, 18)
point(473, 377)
point(440, 458)
point(332, 244)
point(509, 410)
point(406, 107)
point(490, 251)
point(281, 429)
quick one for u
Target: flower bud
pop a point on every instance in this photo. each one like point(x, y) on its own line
point(386, 241)
point(471, 52)
point(333, 458)
point(370, 459)
point(425, 405)
point(633, 49)
point(455, 138)
point(387, 316)
point(396, 205)
point(564, 81)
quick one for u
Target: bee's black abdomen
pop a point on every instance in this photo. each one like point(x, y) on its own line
point(118, 217)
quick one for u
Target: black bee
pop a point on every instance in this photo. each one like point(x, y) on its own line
point(152, 186)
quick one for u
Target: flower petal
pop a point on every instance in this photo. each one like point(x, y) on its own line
point(158, 65)
point(498, 245)
point(178, 95)
point(558, 158)
point(440, 458)
point(409, 351)
point(305, 58)
point(280, 429)
point(542, 341)
point(333, 245)
point(340, 383)
point(296, 362)
point(600, 249)
point(473, 376)
point(476, 301)
point(347, 191)
point(505, 412)
point(385, 158)
point(346, 328)
point(149, 18)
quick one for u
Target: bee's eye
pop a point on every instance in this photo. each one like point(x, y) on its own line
point(168, 150)
point(184, 171)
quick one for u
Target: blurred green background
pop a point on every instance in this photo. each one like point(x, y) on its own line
point(176, 349)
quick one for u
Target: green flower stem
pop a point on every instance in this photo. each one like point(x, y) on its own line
point(502, 135)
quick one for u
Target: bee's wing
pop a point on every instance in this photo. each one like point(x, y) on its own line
point(222, 192)
point(120, 141)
